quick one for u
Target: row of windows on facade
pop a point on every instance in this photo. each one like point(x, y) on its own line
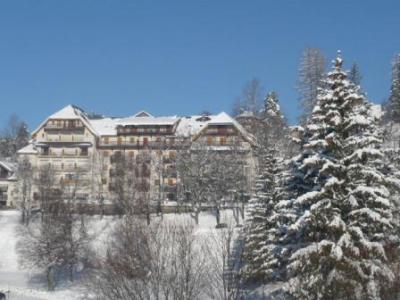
point(145, 141)
point(157, 182)
point(171, 141)
point(64, 124)
point(84, 151)
point(165, 129)
point(64, 138)
point(171, 154)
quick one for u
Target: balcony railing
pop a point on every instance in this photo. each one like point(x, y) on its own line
point(60, 155)
point(64, 139)
point(141, 145)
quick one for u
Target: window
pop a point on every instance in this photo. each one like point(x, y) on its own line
point(209, 140)
point(172, 154)
point(145, 141)
point(170, 181)
point(105, 140)
point(171, 196)
point(222, 140)
point(119, 141)
point(84, 151)
point(131, 140)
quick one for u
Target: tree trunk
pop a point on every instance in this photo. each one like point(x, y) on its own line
point(71, 273)
point(50, 279)
point(236, 214)
point(195, 215)
point(218, 215)
point(148, 219)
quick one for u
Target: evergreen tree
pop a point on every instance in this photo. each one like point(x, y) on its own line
point(260, 250)
point(346, 216)
point(394, 98)
point(14, 137)
point(276, 125)
point(355, 75)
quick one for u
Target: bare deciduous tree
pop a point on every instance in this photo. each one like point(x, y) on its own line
point(25, 182)
point(223, 251)
point(57, 239)
point(151, 262)
point(250, 99)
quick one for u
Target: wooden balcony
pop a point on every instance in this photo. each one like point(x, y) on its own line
point(140, 145)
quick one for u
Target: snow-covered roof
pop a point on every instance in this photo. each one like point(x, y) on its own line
point(185, 126)
point(142, 114)
point(67, 113)
point(10, 167)
point(28, 149)
point(106, 126)
point(223, 119)
point(148, 121)
point(191, 125)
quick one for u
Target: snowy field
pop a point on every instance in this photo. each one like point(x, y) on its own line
point(30, 284)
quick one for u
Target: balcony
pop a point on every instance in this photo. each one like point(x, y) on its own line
point(63, 155)
point(135, 145)
point(63, 139)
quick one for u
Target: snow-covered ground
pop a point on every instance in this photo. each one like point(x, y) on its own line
point(30, 285)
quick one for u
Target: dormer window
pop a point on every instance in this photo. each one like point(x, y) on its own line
point(203, 119)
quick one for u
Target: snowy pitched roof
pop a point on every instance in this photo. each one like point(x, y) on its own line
point(148, 121)
point(108, 126)
point(28, 149)
point(69, 112)
point(223, 119)
point(193, 125)
point(105, 126)
point(185, 126)
point(142, 114)
point(10, 167)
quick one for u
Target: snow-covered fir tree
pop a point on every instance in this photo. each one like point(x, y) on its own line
point(276, 125)
point(346, 218)
point(260, 250)
point(355, 75)
point(259, 253)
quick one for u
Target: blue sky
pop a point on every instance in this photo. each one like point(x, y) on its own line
point(179, 57)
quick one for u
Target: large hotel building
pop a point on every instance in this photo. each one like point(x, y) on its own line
point(82, 147)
